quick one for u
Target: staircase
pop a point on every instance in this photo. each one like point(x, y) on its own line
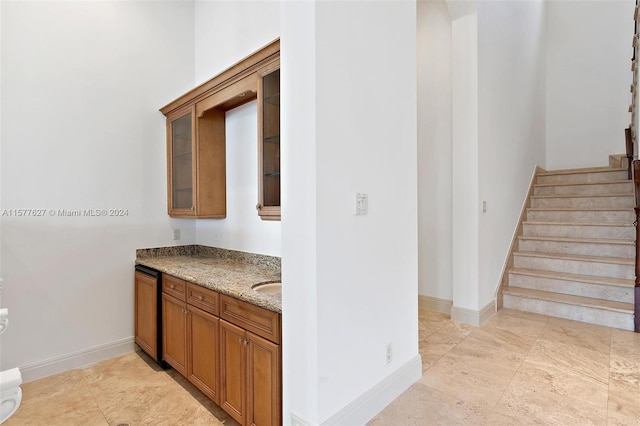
point(575, 257)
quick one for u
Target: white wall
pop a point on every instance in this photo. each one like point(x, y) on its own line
point(299, 213)
point(511, 94)
point(465, 164)
point(226, 32)
point(81, 86)
point(588, 77)
point(434, 150)
point(363, 136)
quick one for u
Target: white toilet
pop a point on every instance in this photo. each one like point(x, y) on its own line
point(10, 380)
point(10, 392)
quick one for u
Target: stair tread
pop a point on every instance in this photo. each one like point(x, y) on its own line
point(592, 279)
point(527, 222)
point(583, 170)
point(579, 240)
point(617, 194)
point(570, 299)
point(608, 182)
point(579, 257)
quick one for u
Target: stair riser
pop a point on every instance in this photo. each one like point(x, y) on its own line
point(597, 291)
point(621, 202)
point(625, 216)
point(577, 313)
point(613, 270)
point(594, 189)
point(588, 249)
point(583, 177)
point(579, 231)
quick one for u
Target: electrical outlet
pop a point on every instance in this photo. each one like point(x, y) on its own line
point(389, 350)
point(176, 234)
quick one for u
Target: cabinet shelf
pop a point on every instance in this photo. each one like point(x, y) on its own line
point(272, 139)
point(273, 99)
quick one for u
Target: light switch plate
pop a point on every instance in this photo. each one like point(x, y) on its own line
point(362, 204)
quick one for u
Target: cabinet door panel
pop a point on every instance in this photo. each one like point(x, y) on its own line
point(233, 371)
point(146, 314)
point(203, 365)
point(263, 386)
point(174, 336)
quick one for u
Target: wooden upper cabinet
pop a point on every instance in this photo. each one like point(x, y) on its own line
point(196, 158)
point(269, 142)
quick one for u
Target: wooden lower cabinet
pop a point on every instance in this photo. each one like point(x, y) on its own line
point(233, 371)
point(231, 364)
point(250, 373)
point(264, 402)
point(146, 314)
point(174, 333)
point(202, 364)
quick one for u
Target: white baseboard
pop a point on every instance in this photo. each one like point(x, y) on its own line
point(435, 304)
point(370, 403)
point(473, 317)
point(78, 359)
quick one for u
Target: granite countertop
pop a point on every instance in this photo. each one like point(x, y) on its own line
point(225, 271)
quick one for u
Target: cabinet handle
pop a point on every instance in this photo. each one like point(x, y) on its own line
point(172, 286)
point(245, 342)
point(200, 298)
point(240, 340)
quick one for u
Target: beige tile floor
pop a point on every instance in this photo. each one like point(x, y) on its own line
point(519, 368)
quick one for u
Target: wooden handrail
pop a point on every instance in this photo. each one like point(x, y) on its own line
point(636, 189)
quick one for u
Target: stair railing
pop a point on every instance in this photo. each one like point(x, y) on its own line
point(636, 296)
point(630, 134)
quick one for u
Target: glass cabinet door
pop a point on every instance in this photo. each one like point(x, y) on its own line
point(269, 205)
point(182, 163)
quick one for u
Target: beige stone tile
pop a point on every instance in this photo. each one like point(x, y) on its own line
point(624, 406)
point(566, 370)
point(128, 390)
point(625, 369)
point(520, 325)
point(522, 405)
point(625, 344)
point(590, 336)
point(475, 370)
point(423, 405)
point(522, 314)
point(502, 339)
point(575, 360)
point(62, 399)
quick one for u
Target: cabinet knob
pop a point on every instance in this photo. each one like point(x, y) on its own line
point(200, 298)
point(172, 286)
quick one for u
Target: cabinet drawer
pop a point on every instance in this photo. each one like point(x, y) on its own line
point(174, 286)
point(260, 321)
point(203, 298)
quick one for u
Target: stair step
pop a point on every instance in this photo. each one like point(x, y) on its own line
point(581, 246)
point(586, 309)
point(601, 188)
point(613, 267)
point(566, 214)
point(606, 288)
point(602, 174)
point(614, 201)
point(608, 230)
